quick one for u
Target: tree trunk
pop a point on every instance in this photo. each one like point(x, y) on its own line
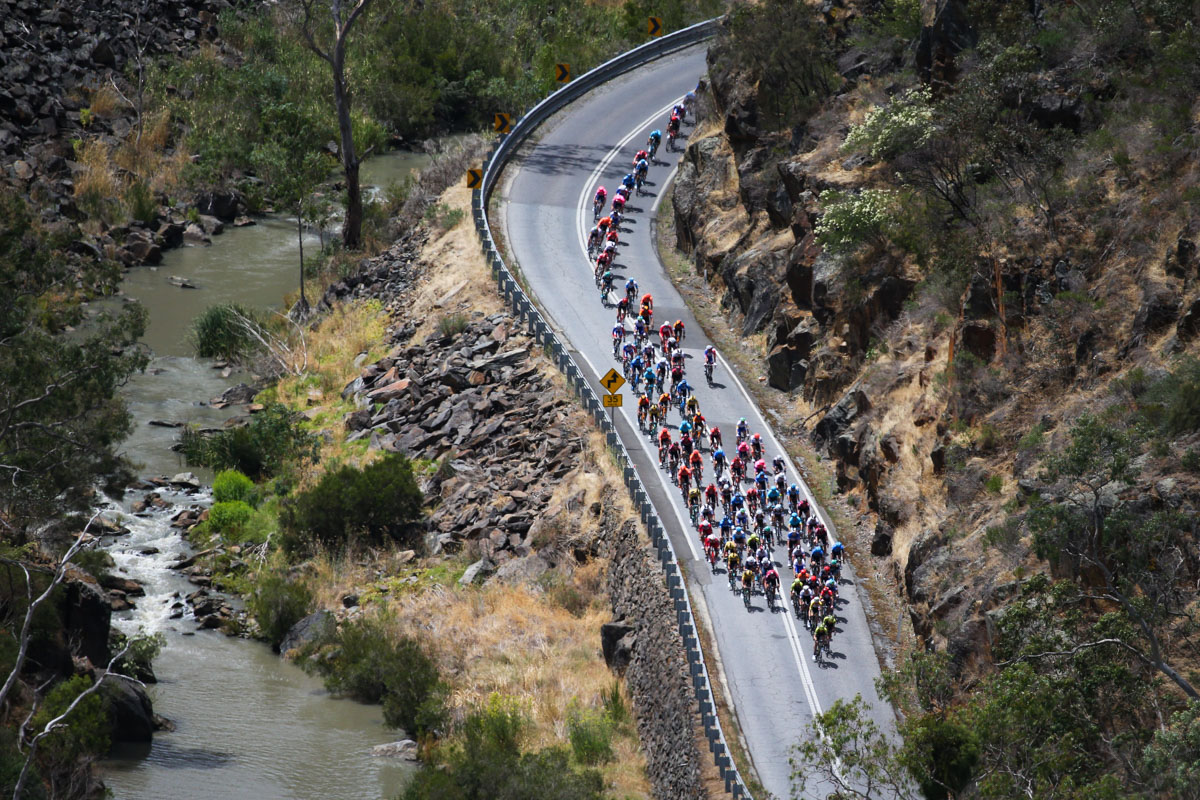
point(352, 227)
point(300, 241)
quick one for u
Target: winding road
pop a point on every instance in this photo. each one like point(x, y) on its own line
point(545, 212)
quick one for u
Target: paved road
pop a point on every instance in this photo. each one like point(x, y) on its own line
point(546, 211)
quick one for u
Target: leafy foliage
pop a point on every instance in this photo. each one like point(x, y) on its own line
point(849, 221)
point(363, 660)
point(220, 332)
point(277, 604)
point(379, 503)
point(491, 764)
point(903, 125)
point(60, 418)
point(264, 447)
point(231, 485)
point(787, 51)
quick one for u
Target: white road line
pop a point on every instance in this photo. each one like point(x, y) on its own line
point(588, 188)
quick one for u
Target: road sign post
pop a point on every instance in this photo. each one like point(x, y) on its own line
point(612, 382)
point(562, 73)
point(501, 122)
point(654, 26)
point(474, 178)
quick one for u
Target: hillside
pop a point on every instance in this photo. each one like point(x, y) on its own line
point(958, 240)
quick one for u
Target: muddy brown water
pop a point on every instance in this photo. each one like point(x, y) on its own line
point(249, 725)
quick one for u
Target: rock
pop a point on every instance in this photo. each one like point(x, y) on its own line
point(786, 368)
point(938, 457)
point(186, 479)
point(130, 712)
point(1180, 262)
point(118, 602)
point(979, 339)
point(170, 234)
point(881, 542)
point(221, 205)
point(307, 631)
point(946, 32)
point(126, 586)
point(194, 234)
point(477, 571)
point(164, 423)
point(87, 617)
point(405, 748)
point(840, 417)
point(22, 171)
point(392, 391)
point(181, 282)
point(522, 571)
point(236, 395)
point(349, 600)
point(616, 643)
point(1189, 323)
point(145, 251)
point(1160, 307)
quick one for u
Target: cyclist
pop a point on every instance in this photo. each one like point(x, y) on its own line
point(622, 309)
point(718, 459)
point(777, 464)
point(641, 155)
point(598, 202)
point(618, 204)
point(679, 330)
point(756, 446)
point(726, 526)
point(672, 131)
point(710, 359)
point(739, 538)
point(771, 583)
point(710, 494)
point(732, 565)
point(793, 495)
point(653, 141)
point(714, 437)
point(743, 430)
point(629, 181)
point(689, 101)
point(820, 639)
point(594, 240)
point(648, 301)
point(606, 285)
point(748, 582)
point(643, 410)
point(640, 172)
point(712, 547)
point(685, 479)
point(696, 462)
point(693, 499)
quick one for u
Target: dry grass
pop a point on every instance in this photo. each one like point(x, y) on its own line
point(106, 101)
point(97, 187)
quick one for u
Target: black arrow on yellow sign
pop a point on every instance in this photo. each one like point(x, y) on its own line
point(654, 26)
point(612, 381)
point(562, 73)
point(501, 122)
point(474, 178)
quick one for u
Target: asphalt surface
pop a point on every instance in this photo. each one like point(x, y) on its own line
point(545, 213)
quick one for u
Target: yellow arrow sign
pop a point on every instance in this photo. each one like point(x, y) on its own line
point(612, 400)
point(562, 73)
point(501, 123)
point(474, 178)
point(654, 26)
point(612, 381)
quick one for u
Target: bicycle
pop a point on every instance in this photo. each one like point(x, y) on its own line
point(746, 596)
point(637, 184)
point(708, 373)
point(771, 598)
point(712, 559)
point(597, 208)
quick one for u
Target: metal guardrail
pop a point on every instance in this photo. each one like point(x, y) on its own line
point(557, 351)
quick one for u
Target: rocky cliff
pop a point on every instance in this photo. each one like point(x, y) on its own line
point(921, 369)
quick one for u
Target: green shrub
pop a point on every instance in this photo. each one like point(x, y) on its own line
point(230, 485)
point(1173, 403)
point(229, 517)
point(590, 734)
point(994, 484)
point(141, 203)
point(849, 221)
point(86, 734)
point(490, 764)
point(277, 604)
point(452, 324)
point(97, 562)
point(362, 661)
point(220, 331)
point(1191, 460)
point(443, 216)
point(904, 124)
point(1033, 439)
point(378, 503)
point(271, 440)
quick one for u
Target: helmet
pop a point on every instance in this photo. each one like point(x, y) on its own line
point(743, 419)
point(678, 323)
point(601, 190)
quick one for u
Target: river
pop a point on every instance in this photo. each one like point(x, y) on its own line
point(249, 724)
